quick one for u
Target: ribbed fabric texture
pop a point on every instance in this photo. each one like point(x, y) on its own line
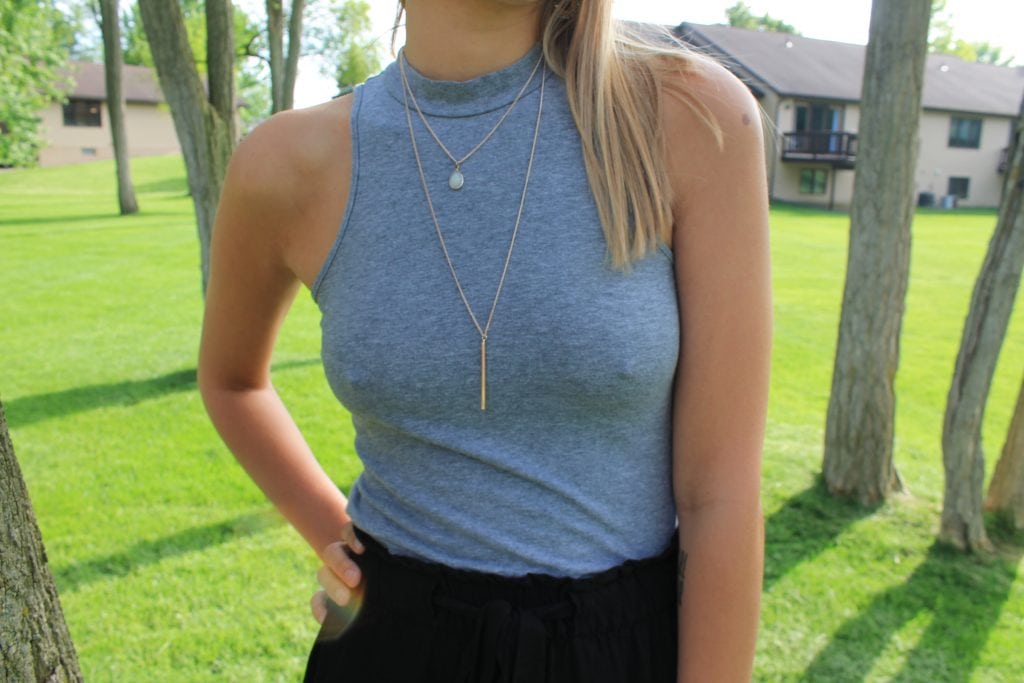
point(567, 472)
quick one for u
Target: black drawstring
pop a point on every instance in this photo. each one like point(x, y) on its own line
point(509, 644)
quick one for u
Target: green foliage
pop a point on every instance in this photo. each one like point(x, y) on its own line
point(251, 86)
point(173, 567)
point(942, 40)
point(741, 16)
point(34, 45)
point(83, 23)
point(253, 93)
point(136, 45)
point(340, 33)
point(133, 38)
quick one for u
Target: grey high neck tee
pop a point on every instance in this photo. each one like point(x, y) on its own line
point(568, 471)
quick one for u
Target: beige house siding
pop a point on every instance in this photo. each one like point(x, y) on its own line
point(785, 70)
point(785, 176)
point(938, 162)
point(150, 131)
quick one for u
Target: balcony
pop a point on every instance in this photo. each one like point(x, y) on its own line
point(833, 147)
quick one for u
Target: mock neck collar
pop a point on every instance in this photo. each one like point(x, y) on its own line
point(467, 98)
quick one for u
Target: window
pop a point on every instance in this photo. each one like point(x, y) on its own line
point(818, 117)
point(965, 133)
point(813, 180)
point(82, 113)
point(959, 187)
point(88, 151)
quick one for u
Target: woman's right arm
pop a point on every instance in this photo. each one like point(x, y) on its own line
point(259, 242)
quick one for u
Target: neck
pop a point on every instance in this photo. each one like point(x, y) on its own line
point(456, 40)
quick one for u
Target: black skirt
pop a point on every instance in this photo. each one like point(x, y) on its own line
point(420, 622)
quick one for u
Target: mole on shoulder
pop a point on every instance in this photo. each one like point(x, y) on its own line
point(746, 119)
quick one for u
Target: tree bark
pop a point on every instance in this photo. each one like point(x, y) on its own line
point(1006, 490)
point(205, 127)
point(113, 63)
point(984, 330)
point(220, 64)
point(858, 458)
point(284, 68)
point(275, 41)
point(34, 641)
point(291, 72)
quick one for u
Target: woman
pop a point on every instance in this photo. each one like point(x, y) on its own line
point(548, 310)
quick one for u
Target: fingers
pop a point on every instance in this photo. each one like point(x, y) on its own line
point(332, 586)
point(350, 540)
point(337, 560)
point(339, 575)
point(318, 605)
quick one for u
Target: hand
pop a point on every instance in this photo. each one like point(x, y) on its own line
point(339, 575)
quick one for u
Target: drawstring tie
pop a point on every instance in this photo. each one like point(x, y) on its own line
point(509, 644)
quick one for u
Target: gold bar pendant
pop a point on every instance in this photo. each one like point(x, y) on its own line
point(483, 373)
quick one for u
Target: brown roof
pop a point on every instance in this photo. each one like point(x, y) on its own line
point(138, 82)
point(796, 66)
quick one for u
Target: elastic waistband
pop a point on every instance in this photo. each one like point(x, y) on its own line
point(608, 599)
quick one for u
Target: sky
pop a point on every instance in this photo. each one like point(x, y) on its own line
point(999, 22)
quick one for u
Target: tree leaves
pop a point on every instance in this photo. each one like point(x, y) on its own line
point(33, 50)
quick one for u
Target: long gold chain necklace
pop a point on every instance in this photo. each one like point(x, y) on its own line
point(484, 329)
point(457, 178)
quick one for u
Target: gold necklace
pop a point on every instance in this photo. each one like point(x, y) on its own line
point(483, 330)
point(457, 179)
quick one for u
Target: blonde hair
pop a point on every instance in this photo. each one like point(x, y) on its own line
point(617, 77)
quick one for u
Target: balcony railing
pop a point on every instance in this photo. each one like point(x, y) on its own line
point(835, 147)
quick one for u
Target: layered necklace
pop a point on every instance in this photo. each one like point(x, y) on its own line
point(458, 179)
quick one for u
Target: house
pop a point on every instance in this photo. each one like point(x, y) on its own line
point(810, 90)
point(78, 129)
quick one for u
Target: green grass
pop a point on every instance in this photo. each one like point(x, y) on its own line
point(172, 567)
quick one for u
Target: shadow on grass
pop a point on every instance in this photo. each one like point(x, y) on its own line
point(805, 526)
point(964, 595)
point(27, 410)
point(61, 225)
point(62, 219)
point(176, 184)
point(73, 576)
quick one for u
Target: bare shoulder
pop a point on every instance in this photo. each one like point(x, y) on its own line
point(715, 151)
point(288, 182)
point(711, 116)
point(277, 159)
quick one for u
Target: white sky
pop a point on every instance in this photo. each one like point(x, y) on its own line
point(1000, 22)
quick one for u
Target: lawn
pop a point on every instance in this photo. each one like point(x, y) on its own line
point(172, 567)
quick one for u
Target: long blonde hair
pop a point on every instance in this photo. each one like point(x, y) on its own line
point(617, 77)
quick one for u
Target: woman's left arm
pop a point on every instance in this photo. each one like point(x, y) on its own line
point(721, 249)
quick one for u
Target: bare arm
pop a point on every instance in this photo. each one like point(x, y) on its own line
point(264, 244)
point(721, 248)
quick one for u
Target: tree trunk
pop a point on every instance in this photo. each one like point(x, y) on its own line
point(275, 41)
point(113, 61)
point(205, 127)
point(220, 64)
point(1006, 490)
point(34, 641)
point(984, 330)
point(859, 429)
point(291, 71)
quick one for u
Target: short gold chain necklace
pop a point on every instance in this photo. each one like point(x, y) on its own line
point(457, 178)
point(484, 329)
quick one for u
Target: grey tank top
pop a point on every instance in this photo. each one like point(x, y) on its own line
point(568, 471)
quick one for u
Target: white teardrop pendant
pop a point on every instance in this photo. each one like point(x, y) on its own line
point(456, 180)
